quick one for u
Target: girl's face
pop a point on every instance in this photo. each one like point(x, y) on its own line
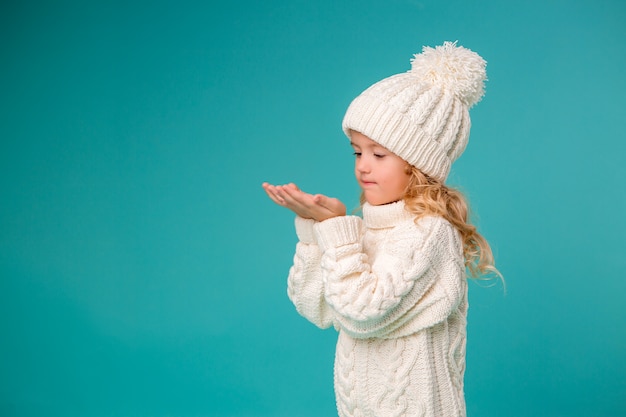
point(381, 174)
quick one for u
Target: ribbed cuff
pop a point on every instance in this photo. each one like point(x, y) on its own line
point(304, 229)
point(338, 231)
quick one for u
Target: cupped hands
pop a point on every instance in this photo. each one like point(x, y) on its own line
point(309, 206)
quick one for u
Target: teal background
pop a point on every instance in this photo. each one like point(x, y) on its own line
point(143, 270)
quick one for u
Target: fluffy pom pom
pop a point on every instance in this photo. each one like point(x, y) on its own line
point(454, 68)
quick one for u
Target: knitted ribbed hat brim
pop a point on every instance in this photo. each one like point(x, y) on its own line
point(376, 119)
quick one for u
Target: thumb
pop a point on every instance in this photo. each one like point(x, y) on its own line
point(331, 204)
point(321, 199)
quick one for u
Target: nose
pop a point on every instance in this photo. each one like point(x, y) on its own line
point(362, 164)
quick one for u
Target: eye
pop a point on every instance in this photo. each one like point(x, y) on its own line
point(357, 154)
point(379, 156)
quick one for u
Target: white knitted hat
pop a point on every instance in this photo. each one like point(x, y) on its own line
point(422, 115)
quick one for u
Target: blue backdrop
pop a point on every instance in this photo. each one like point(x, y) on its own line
point(143, 270)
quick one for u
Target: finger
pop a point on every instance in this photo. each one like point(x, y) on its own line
point(296, 194)
point(292, 186)
point(319, 199)
point(271, 191)
point(267, 187)
point(331, 204)
point(289, 195)
point(322, 200)
point(275, 199)
point(295, 201)
point(299, 202)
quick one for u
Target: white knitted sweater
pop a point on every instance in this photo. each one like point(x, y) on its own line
point(396, 292)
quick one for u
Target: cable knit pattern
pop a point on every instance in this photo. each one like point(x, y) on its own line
point(305, 285)
point(397, 294)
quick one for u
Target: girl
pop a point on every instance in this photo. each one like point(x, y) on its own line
point(393, 283)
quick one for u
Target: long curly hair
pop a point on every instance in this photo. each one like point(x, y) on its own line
point(425, 196)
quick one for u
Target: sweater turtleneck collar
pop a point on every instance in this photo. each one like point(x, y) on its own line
point(384, 216)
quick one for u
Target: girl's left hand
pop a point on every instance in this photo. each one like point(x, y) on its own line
point(317, 207)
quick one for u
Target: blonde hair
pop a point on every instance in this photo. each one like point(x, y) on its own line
point(425, 196)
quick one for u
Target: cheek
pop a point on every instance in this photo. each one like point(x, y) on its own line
point(399, 176)
point(401, 183)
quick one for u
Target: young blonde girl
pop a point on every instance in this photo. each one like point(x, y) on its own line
point(393, 283)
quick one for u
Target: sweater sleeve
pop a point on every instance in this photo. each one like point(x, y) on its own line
point(415, 282)
point(305, 287)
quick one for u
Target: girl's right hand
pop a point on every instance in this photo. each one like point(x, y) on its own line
point(317, 207)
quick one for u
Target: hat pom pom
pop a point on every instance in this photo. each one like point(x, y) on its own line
point(454, 68)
